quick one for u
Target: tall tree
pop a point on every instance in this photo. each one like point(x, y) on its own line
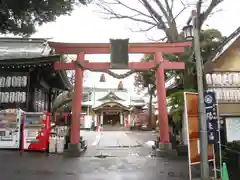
point(161, 15)
point(157, 14)
point(210, 40)
point(20, 17)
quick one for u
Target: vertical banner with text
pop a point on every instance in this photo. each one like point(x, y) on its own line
point(211, 113)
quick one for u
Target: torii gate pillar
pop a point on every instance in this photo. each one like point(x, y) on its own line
point(75, 146)
point(162, 105)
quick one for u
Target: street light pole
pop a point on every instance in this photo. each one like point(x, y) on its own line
point(202, 123)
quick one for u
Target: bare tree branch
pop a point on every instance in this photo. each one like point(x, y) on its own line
point(150, 9)
point(169, 10)
point(143, 30)
point(163, 19)
point(163, 10)
point(214, 12)
point(132, 9)
point(111, 14)
point(153, 17)
point(156, 40)
point(180, 12)
point(172, 5)
point(203, 16)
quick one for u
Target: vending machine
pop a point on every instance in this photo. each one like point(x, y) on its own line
point(10, 126)
point(36, 131)
point(86, 121)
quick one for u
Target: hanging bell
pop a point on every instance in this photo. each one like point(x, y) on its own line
point(102, 78)
point(120, 85)
point(119, 53)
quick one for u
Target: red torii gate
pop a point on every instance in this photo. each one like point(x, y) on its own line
point(104, 48)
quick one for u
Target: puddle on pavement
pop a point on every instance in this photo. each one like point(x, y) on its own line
point(134, 146)
point(129, 154)
point(102, 156)
point(151, 156)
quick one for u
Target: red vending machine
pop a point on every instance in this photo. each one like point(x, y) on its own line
point(36, 131)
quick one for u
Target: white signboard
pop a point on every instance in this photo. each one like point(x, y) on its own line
point(232, 129)
point(87, 122)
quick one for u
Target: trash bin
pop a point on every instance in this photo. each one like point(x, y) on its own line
point(52, 144)
point(60, 144)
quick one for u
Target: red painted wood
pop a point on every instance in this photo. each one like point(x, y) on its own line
point(104, 66)
point(108, 45)
point(77, 104)
point(103, 48)
point(162, 102)
point(96, 50)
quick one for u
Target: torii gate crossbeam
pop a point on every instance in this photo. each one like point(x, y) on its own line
point(104, 48)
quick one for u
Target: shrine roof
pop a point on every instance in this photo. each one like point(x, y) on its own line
point(99, 105)
point(23, 48)
point(107, 95)
point(122, 96)
point(98, 89)
point(113, 96)
point(226, 44)
point(27, 52)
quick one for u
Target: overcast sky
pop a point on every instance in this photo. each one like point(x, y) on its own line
point(85, 25)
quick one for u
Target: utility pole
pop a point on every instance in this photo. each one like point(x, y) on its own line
point(202, 123)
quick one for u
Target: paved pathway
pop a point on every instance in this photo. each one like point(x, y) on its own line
point(117, 139)
point(110, 139)
point(126, 162)
point(39, 167)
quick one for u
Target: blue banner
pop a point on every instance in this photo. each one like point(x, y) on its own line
point(211, 113)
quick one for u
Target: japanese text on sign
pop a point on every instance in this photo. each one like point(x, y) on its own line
point(211, 116)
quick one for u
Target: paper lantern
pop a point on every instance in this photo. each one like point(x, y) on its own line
point(102, 78)
point(120, 85)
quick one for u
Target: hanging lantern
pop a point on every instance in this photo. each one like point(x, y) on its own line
point(102, 78)
point(120, 85)
point(119, 53)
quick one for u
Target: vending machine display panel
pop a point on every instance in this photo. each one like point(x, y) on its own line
point(36, 131)
point(10, 125)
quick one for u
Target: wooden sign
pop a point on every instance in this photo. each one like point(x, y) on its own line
point(193, 134)
point(119, 53)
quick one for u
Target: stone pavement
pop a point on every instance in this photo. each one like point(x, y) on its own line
point(117, 139)
point(109, 139)
point(143, 137)
point(124, 161)
point(32, 166)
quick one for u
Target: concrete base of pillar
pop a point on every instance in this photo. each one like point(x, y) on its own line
point(165, 147)
point(74, 150)
point(165, 150)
